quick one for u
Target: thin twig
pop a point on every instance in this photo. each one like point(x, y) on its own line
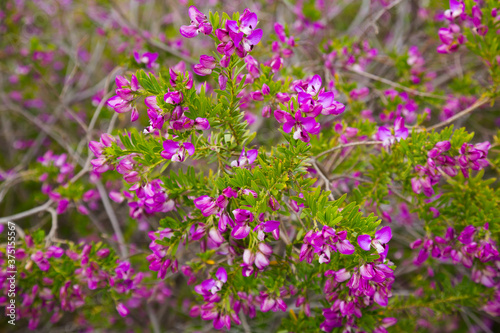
point(112, 217)
point(377, 16)
point(244, 323)
point(323, 176)
point(53, 229)
point(350, 144)
point(480, 102)
point(32, 211)
point(153, 318)
point(394, 84)
point(19, 230)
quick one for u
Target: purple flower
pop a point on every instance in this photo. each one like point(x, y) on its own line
point(222, 82)
point(456, 9)
point(41, 260)
point(239, 36)
point(246, 158)
point(451, 38)
point(323, 243)
point(207, 205)
point(271, 303)
point(176, 151)
point(122, 102)
point(300, 125)
point(242, 219)
point(400, 132)
point(473, 157)
point(313, 100)
point(382, 236)
point(201, 124)
point(280, 31)
point(151, 103)
point(199, 23)
point(268, 226)
point(212, 286)
point(466, 235)
point(119, 104)
point(122, 310)
point(206, 65)
point(311, 88)
point(146, 58)
point(340, 275)
point(173, 97)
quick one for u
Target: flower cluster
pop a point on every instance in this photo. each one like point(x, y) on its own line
point(206, 199)
point(122, 102)
point(323, 243)
point(312, 101)
point(472, 157)
point(370, 284)
point(56, 296)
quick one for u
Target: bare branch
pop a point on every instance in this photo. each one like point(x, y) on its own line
point(394, 84)
point(32, 211)
point(480, 102)
point(350, 144)
point(112, 217)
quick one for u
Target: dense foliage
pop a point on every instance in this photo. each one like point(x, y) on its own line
point(293, 166)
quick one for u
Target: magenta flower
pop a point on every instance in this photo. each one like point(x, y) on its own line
point(311, 88)
point(271, 303)
point(173, 97)
point(207, 205)
point(152, 103)
point(313, 100)
point(268, 226)
point(146, 58)
point(213, 285)
point(473, 157)
point(457, 8)
point(466, 235)
point(199, 23)
point(239, 36)
point(340, 275)
point(122, 101)
point(382, 236)
point(451, 38)
point(119, 104)
point(246, 158)
point(301, 126)
point(386, 135)
point(122, 310)
point(41, 260)
point(206, 65)
point(176, 151)
point(259, 259)
point(280, 32)
point(427, 177)
point(242, 219)
point(184, 123)
point(323, 243)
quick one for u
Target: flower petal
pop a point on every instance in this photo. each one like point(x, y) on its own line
point(384, 235)
point(364, 242)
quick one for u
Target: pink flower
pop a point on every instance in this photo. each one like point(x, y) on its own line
point(206, 65)
point(122, 310)
point(301, 126)
point(382, 236)
point(176, 151)
point(247, 157)
point(146, 58)
point(199, 23)
point(400, 132)
point(268, 226)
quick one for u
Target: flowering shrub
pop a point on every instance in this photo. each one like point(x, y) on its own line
point(293, 166)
